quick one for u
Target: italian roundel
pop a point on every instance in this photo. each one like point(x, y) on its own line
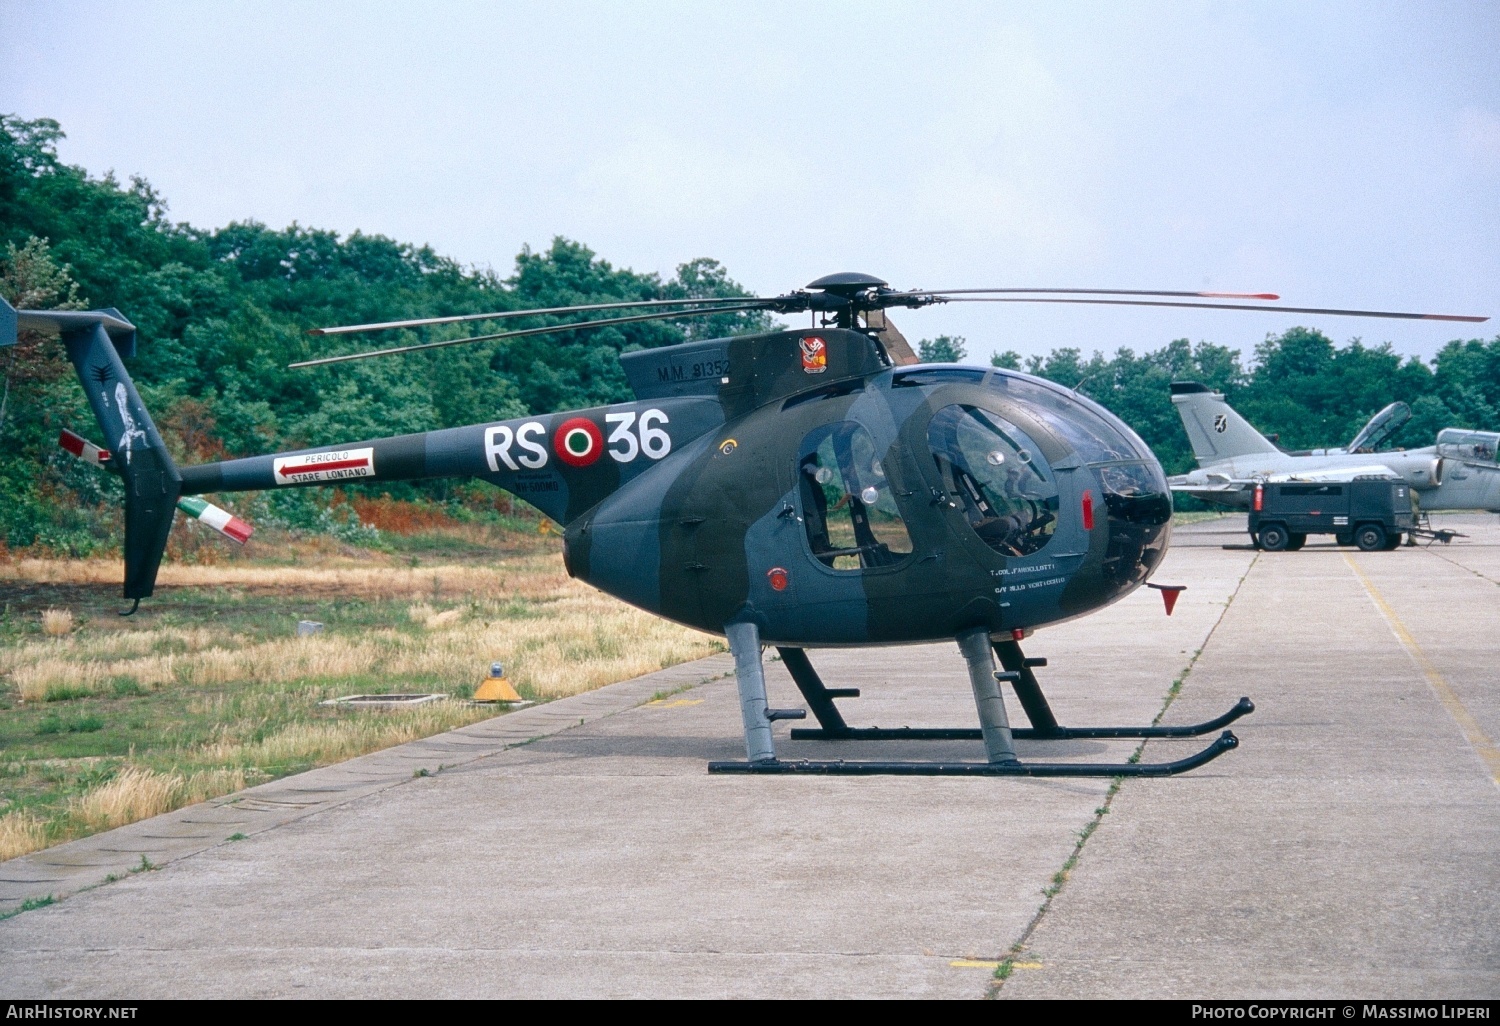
point(578, 442)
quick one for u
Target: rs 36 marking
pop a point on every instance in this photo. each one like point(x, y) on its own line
point(628, 437)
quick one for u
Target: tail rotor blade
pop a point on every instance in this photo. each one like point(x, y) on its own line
point(221, 520)
point(83, 449)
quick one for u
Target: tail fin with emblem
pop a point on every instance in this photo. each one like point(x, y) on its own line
point(95, 341)
point(1215, 430)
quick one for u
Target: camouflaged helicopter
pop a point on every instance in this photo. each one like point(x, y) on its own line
point(802, 488)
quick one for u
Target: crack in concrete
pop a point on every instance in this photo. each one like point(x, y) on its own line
point(1059, 879)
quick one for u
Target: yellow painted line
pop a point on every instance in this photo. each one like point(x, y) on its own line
point(662, 703)
point(1482, 745)
point(970, 963)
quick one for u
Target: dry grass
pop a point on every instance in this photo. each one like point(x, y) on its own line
point(328, 741)
point(531, 576)
point(422, 613)
point(210, 692)
point(21, 832)
point(570, 639)
point(137, 793)
point(57, 622)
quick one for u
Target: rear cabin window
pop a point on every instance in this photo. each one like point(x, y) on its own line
point(851, 517)
point(998, 478)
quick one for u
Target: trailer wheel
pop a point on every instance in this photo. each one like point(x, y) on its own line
point(1274, 538)
point(1370, 537)
point(1295, 541)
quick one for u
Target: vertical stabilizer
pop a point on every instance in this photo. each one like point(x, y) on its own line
point(1215, 430)
point(95, 341)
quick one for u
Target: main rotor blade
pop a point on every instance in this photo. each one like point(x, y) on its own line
point(1089, 292)
point(553, 329)
point(1238, 306)
point(422, 322)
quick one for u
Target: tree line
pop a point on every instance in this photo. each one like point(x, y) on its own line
point(221, 313)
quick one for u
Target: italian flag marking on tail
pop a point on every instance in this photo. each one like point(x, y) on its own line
point(221, 520)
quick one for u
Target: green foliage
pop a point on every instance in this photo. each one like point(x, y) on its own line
point(943, 349)
point(221, 313)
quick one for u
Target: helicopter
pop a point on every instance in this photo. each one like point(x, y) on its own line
point(799, 488)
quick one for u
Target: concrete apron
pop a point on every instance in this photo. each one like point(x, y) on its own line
point(602, 860)
point(1349, 848)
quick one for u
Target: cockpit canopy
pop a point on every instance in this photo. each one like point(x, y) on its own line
point(1097, 435)
point(1475, 446)
point(1381, 428)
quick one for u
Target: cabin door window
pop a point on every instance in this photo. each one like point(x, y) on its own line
point(847, 503)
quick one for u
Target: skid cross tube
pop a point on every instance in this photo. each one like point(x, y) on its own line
point(832, 726)
point(859, 768)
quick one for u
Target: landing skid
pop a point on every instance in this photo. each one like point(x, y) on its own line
point(1017, 671)
point(1223, 743)
point(995, 731)
point(1242, 708)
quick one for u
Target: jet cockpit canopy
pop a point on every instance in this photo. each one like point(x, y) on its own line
point(1381, 428)
point(1474, 446)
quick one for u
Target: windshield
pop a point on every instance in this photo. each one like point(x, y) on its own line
point(997, 477)
point(1098, 435)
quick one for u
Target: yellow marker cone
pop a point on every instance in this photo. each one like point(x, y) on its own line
point(496, 687)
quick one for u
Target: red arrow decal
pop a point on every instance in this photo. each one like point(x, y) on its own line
point(316, 468)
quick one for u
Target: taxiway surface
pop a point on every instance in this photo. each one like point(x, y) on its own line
point(1347, 848)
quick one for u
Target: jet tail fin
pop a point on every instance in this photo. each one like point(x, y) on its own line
point(95, 341)
point(1215, 430)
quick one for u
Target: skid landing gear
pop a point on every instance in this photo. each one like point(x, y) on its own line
point(994, 730)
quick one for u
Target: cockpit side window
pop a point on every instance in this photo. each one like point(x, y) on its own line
point(995, 474)
point(847, 507)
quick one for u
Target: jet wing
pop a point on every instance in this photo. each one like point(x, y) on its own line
point(1218, 488)
point(1227, 490)
point(1337, 474)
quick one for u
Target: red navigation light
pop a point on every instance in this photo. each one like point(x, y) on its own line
point(1088, 510)
point(777, 576)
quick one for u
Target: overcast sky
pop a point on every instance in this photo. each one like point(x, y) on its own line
point(1342, 154)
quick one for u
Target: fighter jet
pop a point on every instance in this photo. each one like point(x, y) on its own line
point(1458, 472)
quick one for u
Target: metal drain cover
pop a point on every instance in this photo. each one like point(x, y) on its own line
point(384, 701)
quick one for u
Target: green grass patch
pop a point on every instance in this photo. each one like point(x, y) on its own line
point(66, 694)
point(73, 725)
point(30, 904)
